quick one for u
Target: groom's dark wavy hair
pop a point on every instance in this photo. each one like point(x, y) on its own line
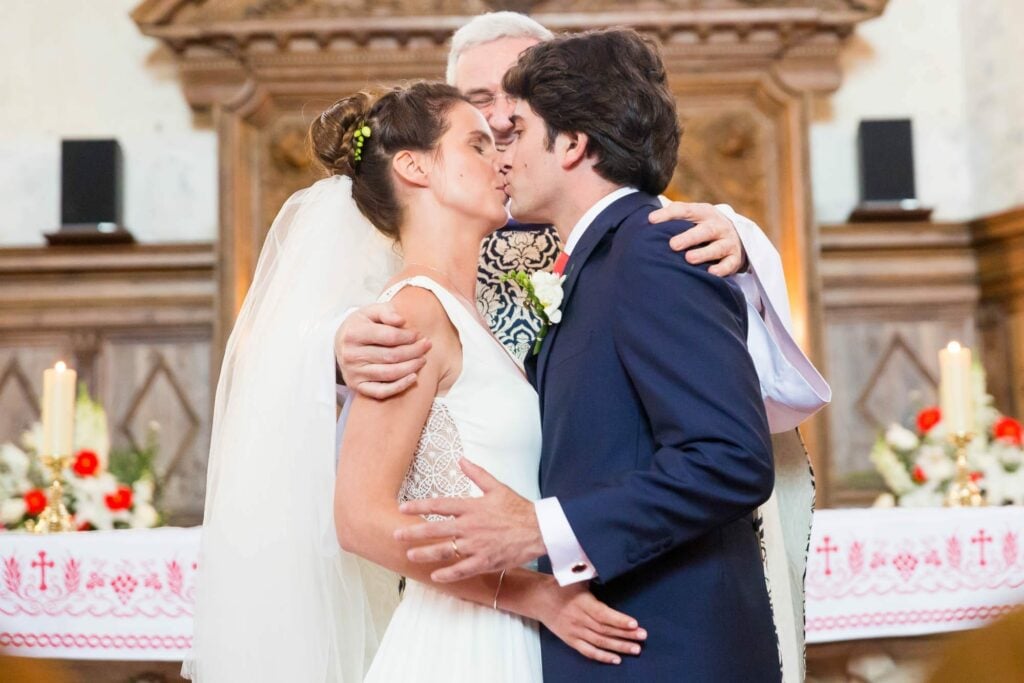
point(612, 86)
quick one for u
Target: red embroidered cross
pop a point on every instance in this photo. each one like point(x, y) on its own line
point(981, 539)
point(43, 565)
point(828, 549)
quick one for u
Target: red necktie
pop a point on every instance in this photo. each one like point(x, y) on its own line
point(560, 262)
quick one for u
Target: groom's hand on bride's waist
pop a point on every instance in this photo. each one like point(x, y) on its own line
point(496, 531)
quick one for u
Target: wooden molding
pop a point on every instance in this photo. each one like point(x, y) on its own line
point(59, 288)
point(318, 47)
point(999, 242)
point(895, 269)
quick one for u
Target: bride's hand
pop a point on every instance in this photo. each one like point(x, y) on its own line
point(587, 625)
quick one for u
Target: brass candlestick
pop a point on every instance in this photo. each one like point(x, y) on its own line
point(962, 491)
point(55, 516)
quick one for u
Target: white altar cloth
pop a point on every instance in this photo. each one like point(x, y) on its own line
point(880, 573)
point(129, 595)
point(115, 595)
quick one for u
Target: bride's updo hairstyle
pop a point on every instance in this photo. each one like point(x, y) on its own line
point(412, 117)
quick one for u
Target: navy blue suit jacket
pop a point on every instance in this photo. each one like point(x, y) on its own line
point(657, 446)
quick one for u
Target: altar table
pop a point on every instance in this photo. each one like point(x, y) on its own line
point(119, 595)
point(876, 573)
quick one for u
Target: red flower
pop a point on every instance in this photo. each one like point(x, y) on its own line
point(1008, 429)
point(35, 502)
point(976, 476)
point(86, 463)
point(121, 499)
point(928, 418)
point(918, 475)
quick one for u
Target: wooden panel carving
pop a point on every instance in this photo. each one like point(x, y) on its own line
point(894, 294)
point(722, 159)
point(137, 323)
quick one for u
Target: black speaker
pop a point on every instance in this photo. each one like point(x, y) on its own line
point(90, 193)
point(90, 182)
point(885, 153)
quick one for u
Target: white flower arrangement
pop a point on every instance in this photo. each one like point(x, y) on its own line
point(104, 489)
point(918, 466)
point(544, 294)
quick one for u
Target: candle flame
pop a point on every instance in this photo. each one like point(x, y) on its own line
point(61, 366)
point(954, 347)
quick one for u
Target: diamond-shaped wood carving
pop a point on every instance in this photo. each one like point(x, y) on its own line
point(19, 405)
point(889, 391)
point(162, 383)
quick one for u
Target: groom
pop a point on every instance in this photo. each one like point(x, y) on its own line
point(653, 463)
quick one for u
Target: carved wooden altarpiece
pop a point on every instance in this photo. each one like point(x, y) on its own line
point(743, 71)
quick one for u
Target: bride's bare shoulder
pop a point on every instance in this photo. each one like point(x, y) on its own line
point(425, 313)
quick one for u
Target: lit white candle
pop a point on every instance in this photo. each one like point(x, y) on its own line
point(58, 410)
point(955, 389)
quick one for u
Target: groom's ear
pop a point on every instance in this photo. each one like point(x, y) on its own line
point(572, 148)
point(411, 167)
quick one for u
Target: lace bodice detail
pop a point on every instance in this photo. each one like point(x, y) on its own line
point(488, 415)
point(434, 471)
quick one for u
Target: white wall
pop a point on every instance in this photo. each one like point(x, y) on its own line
point(994, 74)
point(908, 63)
point(76, 68)
point(956, 69)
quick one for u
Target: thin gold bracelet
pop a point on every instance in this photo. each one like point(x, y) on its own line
point(500, 579)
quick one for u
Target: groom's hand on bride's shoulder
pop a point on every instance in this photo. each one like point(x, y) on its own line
point(496, 531)
point(713, 238)
point(376, 354)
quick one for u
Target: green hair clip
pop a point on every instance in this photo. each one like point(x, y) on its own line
point(362, 132)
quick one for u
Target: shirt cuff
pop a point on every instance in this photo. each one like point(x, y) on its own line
point(569, 563)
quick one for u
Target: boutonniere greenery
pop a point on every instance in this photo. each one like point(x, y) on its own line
point(543, 295)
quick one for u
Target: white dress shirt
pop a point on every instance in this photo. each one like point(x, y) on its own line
point(791, 387)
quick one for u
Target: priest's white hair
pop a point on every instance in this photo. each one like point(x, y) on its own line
point(489, 27)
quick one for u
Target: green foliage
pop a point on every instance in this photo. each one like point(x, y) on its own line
point(129, 465)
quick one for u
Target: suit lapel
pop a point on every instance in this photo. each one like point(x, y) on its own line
point(605, 223)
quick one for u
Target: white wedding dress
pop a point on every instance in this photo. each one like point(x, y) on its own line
point(490, 416)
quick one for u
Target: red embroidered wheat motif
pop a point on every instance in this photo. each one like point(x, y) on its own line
point(12, 575)
point(953, 552)
point(856, 557)
point(72, 576)
point(1010, 548)
point(175, 580)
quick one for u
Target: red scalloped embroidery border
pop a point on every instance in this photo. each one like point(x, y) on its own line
point(905, 617)
point(94, 641)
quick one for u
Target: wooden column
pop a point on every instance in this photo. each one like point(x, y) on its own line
point(999, 243)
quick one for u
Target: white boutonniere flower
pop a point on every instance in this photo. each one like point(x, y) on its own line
point(543, 294)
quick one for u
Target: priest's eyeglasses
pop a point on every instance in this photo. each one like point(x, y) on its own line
point(485, 99)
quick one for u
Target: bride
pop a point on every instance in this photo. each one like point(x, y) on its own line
point(278, 599)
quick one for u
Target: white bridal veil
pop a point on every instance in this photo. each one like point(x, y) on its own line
point(278, 600)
